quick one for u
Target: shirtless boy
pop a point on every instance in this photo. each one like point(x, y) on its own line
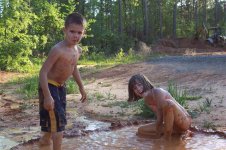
point(60, 64)
point(171, 116)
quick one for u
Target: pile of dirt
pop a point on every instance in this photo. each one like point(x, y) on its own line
point(183, 45)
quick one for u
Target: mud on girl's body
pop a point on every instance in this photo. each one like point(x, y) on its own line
point(171, 116)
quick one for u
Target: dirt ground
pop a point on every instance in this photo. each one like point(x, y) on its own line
point(200, 70)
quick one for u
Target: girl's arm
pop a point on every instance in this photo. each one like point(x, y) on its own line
point(159, 99)
point(159, 121)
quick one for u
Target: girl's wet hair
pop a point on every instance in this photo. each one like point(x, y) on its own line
point(138, 78)
point(75, 18)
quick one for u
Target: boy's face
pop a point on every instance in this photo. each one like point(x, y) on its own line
point(138, 89)
point(74, 33)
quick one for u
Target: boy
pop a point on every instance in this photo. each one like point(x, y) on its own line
point(171, 116)
point(60, 64)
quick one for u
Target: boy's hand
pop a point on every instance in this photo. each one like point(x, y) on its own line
point(83, 93)
point(49, 103)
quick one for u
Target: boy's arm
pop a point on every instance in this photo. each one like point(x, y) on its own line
point(77, 77)
point(51, 59)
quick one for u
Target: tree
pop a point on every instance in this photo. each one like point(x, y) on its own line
point(120, 16)
point(175, 19)
point(160, 17)
point(145, 11)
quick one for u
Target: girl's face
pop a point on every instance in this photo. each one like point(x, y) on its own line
point(138, 89)
point(74, 33)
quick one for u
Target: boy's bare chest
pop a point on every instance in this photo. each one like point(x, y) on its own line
point(69, 58)
point(67, 61)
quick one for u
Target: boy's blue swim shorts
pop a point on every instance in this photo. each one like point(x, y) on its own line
point(53, 121)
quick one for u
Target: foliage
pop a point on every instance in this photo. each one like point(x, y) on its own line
point(29, 28)
point(15, 42)
point(28, 85)
point(145, 110)
point(72, 87)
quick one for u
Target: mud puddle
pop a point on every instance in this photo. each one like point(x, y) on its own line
point(126, 138)
point(11, 137)
point(6, 143)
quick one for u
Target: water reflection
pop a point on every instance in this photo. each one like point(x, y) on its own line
point(126, 138)
point(6, 144)
point(92, 125)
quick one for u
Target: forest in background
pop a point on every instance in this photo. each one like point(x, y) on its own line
point(29, 28)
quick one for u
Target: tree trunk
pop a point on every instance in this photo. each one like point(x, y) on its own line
point(215, 13)
point(160, 18)
point(145, 13)
point(224, 13)
point(196, 16)
point(175, 20)
point(204, 12)
point(120, 16)
point(111, 17)
point(101, 16)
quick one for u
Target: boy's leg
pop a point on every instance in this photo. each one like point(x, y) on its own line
point(57, 140)
point(148, 130)
point(45, 139)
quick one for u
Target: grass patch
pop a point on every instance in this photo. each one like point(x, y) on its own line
point(122, 104)
point(180, 96)
point(1, 92)
point(98, 61)
point(72, 87)
point(143, 110)
point(205, 106)
point(29, 86)
point(209, 125)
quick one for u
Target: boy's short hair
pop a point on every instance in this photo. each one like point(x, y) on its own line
point(75, 18)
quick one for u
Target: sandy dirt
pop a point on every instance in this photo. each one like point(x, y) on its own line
point(201, 72)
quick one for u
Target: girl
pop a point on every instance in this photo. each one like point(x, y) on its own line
point(171, 116)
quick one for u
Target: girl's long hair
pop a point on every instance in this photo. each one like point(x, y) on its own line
point(138, 78)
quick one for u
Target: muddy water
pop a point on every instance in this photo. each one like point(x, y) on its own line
point(14, 136)
point(6, 143)
point(126, 138)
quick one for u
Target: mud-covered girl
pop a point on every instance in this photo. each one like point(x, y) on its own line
point(171, 116)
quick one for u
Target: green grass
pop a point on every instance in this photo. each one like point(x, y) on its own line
point(180, 96)
point(29, 83)
point(72, 87)
point(1, 92)
point(205, 106)
point(143, 110)
point(29, 86)
point(209, 125)
point(99, 59)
